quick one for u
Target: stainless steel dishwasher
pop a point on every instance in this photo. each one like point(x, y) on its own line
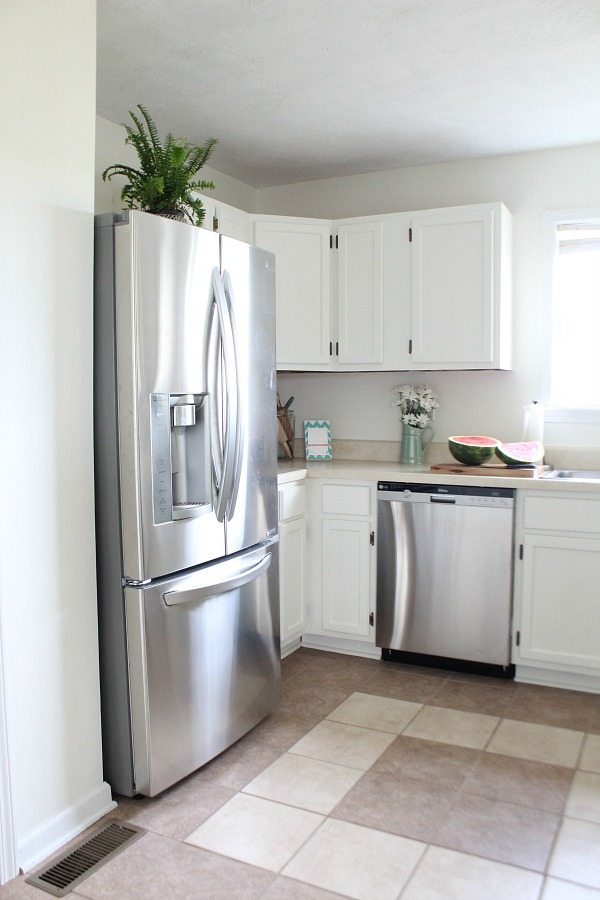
point(444, 575)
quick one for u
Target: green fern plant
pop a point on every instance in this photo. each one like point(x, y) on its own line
point(164, 182)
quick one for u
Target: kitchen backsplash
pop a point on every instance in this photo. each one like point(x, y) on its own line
point(437, 452)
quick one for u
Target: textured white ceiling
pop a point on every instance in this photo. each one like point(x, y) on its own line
point(303, 89)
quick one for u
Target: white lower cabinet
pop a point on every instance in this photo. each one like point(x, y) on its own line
point(341, 567)
point(557, 589)
point(346, 576)
point(292, 563)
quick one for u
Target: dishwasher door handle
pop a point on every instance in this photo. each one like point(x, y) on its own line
point(435, 499)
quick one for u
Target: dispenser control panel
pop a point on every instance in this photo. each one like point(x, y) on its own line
point(162, 489)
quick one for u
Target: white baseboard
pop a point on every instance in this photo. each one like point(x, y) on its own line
point(54, 833)
point(291, 647)
point(341, 645)
point(573, 681)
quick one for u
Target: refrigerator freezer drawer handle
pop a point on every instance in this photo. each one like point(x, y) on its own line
point(174, 598)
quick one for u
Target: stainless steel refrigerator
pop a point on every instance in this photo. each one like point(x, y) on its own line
point(186, 495)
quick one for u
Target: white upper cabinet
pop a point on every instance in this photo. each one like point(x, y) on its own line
point(226, 219)
point(359, 339)
point(461, 288)
point(330, 292)
point(232, 222)
point(302, 279)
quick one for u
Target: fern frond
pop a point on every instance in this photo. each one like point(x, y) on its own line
point(164, 178)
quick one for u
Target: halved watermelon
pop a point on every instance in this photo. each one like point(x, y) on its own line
point(523, 453)
point(472, 449)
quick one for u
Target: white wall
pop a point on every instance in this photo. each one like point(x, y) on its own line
point(111, 148)
point(47, 562)
point(476, 402)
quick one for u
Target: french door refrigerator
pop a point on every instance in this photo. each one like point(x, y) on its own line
point(186, 506)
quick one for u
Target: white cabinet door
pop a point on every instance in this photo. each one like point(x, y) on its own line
point(292, 552)
point(560, 602)
point(226, 219)
point(346, 576)
point(360, 293)
point(461, 288)
point(302, 277)
point(232, 222)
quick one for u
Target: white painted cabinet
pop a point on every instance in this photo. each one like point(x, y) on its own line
point(226, 219)
point(557, 593)
point(346, 576)
point(330, 292)
point(341, 567)
point(292, 563)
point(302, 278)
point(461, 288)
point(359, 333)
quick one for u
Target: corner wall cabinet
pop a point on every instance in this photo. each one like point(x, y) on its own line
point(557, 599)
point(461, 288)
point(292, 563)
point(417, 290)
point(338, 291)
point(341, 567)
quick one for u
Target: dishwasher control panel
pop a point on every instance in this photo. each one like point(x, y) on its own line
point(457, 494)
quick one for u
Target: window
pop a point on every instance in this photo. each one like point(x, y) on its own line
point(575, 320)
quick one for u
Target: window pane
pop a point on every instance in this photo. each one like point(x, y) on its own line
point(576, 319)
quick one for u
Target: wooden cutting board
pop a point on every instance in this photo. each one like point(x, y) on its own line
point(500, 471)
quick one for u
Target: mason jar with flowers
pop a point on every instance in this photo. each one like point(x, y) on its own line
point(417, 408)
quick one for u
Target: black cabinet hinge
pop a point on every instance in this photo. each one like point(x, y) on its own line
point(371, 619)
point(518, 639)
point(520, 551)
point(372, 539)
point(410, 234)
point(215, 223)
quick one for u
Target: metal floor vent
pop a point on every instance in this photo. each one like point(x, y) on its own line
point(65, 872)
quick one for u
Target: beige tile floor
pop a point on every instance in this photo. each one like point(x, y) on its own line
point(374, 780)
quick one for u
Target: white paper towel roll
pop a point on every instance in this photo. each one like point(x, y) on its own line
point(533, 422)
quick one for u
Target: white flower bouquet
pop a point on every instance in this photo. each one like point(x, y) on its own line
point(417, 404)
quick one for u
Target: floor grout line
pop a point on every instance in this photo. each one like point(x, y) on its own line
point(454, 793)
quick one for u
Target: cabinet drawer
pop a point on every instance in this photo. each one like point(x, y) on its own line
point(292, 501)
point(346, 499)
point(559, 513)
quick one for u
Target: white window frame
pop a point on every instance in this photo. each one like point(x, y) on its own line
point(553, 413)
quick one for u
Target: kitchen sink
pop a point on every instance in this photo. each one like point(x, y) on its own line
point(574, 474)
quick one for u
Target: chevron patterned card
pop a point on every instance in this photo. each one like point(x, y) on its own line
point(317, 439)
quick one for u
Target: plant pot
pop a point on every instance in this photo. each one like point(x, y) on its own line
point(412, 448)
point(176, 214)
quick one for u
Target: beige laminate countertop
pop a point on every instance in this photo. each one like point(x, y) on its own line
point(358, 470)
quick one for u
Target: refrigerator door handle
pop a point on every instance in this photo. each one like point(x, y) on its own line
point(231, 393)
point(232, 489)
point(212, 589)
point(213, 358)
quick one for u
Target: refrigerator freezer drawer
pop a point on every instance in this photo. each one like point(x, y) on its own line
point(203, 664)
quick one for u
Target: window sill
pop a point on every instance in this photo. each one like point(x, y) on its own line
point(572, 416)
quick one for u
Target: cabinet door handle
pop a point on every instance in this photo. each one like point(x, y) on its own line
point(337, 348)
point(331, 348)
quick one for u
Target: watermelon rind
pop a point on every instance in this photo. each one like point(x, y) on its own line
point(473, 449)
point(523, 453)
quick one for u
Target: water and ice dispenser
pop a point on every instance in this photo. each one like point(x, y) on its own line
point(181, 485)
